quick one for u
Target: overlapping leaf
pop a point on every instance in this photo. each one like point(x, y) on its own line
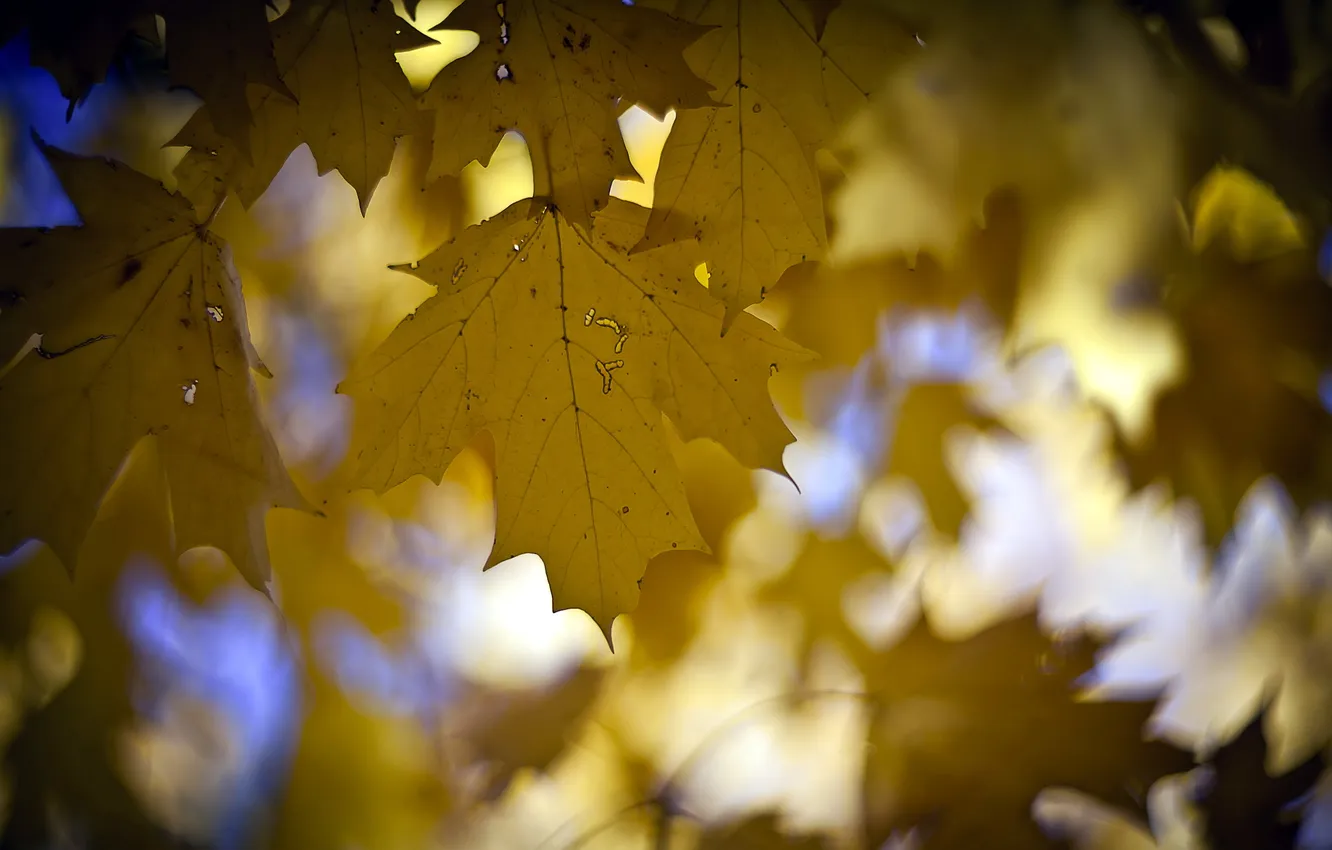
point(560, 73)
point(969, 733)
point(74, 41)
point(1253, 315)
point(217, 50)
point(760, 832)
point(1245, 807)
point(741, 179)
point(352, 102)
point(143, 332)
point(66, 754)
point(1256, 342)
point(568, 352)
point(214, 49)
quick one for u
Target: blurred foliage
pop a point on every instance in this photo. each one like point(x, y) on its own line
point(971, 620)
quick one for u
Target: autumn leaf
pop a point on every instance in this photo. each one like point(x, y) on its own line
point(1243, 806)
point(836, 310)
point(143, 331)
point(970, 732)
point(1255, 341)
point(352, 102)
point(667, 615)
point(315, 573)
point(65, 754)
point(817, 583)
point(760, 832)
point(1252, 313)
point(217, 50)
point(741, 180)
point(213, 49)
point(511, 729)
point(75, 41)
point(568, 352)
point(560, 74)
point(359, 780)
point(928, 414)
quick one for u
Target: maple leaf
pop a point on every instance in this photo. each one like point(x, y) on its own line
point(561, 75)
point(929, 412)
point(817, 584)
point(568, 352)
point(351, 103)
point(514, 729)
point(1251, 310)
point(75, 41)
point(216, 50)
point(1255, 341)
point(835, 310)
point(759, 832)
point(382, 770)
point(65, 753)
point(741, 179)
point(1245, 807)
point(143, 331)
point(971, 732)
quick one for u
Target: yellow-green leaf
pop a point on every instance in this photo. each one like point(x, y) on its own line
point(568, 352)
point(352, 104)
point(560, 74)
point(741, 180)
point(143, 332)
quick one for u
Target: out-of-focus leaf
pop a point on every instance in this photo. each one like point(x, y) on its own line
point(315, 573)
point(969, 733)
point(816, 584)
point(1244, 807)
point(667, 615)
point(928, 413)
point(508, 730)
point(760, 832)
point(75, 41)
point(360, 779)
point(65, 755)
point(836, 311)
point(1257, 349)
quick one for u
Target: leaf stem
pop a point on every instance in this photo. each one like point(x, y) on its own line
point(212, 215)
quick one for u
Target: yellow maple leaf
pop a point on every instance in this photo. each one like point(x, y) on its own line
point(741, 180)
point(217, 50)
point(568, 352)
point(143, 332)
point(1233, 208)
point(560, 75)
point(352, 103)
point(65, 752)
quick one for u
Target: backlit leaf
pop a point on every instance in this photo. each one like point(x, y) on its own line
point(740, 180)
point(352, 102)
point(143, 331)
point(568, 352)
point(560, 74)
